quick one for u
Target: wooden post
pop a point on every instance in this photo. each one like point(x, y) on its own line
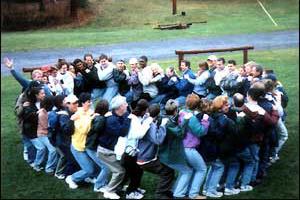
point(180, 58)
point(245, 54)
point(174, 2)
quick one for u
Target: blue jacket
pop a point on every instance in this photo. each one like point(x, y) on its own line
point(216, 144)
point(148, 145)
point(115, 126)
point(66, 129)
point(25, 82)
point(184, 87)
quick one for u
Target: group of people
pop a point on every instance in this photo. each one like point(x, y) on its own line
point(205, 134)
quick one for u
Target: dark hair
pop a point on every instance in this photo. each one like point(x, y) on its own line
point(187, 63)
point(76, 61)
point(102, 107)
point(232, 62)
point(221, 59)
point(84, 97)
point(110, 59)
point(140, 107)
point(269, 85)
point(47, 103)
point(58, 101)
point(256, 93)
point(87, 55)
point(144, 58)
point(269, 71)
point(60, 64)
point(154, 110)
point(32, 92)
point(103, 56)
point(204, 65)
point(259, 68)
point(238, 100)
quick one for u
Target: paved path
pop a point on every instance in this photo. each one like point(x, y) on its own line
point(158, 49)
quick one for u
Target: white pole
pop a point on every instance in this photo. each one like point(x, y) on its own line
point(267, 13)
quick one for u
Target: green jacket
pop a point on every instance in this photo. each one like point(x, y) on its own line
point(171, 151)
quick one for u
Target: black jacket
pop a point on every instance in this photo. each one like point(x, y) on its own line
point(97, 128)
point(30, 121)
point(120, 78)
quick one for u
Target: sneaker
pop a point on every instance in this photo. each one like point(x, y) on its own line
point(274, 159)
point(31, 165)
point(232, 191)
point(60, 176)
point(246, 188)
point(38, 168)
point(90, 180)
point(111, 195)
point(71, 183)
point(204, 192)
point(198, 197)
point(142, 191)
point(214, 194)
point(134, 195)
point(102, 189)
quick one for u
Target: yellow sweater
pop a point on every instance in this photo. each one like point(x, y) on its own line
point(82, 127)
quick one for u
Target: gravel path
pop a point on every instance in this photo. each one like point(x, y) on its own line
point(158, 49)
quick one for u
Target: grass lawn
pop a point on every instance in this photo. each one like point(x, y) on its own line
point(117, 21)
point(18, 180)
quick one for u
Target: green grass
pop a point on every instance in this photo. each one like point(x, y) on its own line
point(118, 21)
point(18, 180)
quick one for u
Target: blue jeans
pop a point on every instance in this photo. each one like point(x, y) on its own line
point(129, 97)
point(181, 185)
point(282, 132)
point(213, 176)
point(52, 154)
point(234, 167)
point(41, 151)
point(102, 178)
point(86, 164)
point(198, 165)
point(181, 101)
point(29, 149)
point(104, 93)
point(254, 148)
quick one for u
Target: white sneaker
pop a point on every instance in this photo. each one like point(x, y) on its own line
point(38, 168)
point(31, 165)
point(110, 195)
point(102, 189)
point(204, 192)
point(124, 188)
point(60, 176)
point(232, 191)
point(142, 191)
point(246, 188)
point(214, 194)
point(134, 195)
point(71, 183)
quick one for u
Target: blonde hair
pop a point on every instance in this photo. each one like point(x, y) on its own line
point(219, 102)
point(35, 72)
point(156, 68)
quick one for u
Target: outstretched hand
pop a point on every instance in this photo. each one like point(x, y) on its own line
point(8, 63)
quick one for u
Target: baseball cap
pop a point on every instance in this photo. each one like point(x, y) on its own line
point(212, 58)
point(71, 98)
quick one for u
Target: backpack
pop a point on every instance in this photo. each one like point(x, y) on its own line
point(18, 110)
point(210, 84)
point(53, 125)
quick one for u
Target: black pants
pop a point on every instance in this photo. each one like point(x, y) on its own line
point(133, 172)
point(72, 166)
point(166, 176)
